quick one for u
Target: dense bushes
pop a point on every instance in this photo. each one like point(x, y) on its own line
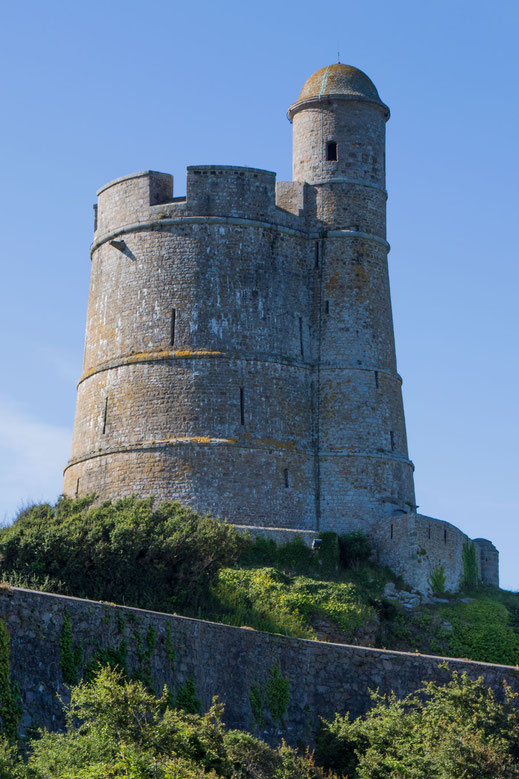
point(347, 550)
point(115, 728)
point(441, 732)
point(128, 552)
point(482, 630)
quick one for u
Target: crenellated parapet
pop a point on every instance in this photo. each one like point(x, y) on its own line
point(145, 200)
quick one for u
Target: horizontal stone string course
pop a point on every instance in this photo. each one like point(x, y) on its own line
point(222, 660)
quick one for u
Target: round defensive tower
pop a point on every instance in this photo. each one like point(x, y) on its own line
point(196, 379)
point(364, 473)
point(239, 352)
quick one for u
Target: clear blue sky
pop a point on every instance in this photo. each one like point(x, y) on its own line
point(96, 90)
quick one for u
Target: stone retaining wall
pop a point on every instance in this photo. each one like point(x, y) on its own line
point(222, 660)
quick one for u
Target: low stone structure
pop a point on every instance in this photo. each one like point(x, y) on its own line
point(226, 661)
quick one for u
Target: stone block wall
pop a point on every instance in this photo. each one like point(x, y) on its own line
point(414, 546)
point(222, 660)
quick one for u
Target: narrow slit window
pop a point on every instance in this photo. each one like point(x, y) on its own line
point(77, 486)
point(445, 536)
point(331, 151)
point(317, 254)
point(392, 436)
point(376, 379)
point(391, 531)
point(173, 323)
point(95, 217)
point(327, 306)
point(105, 415)
point(242, 406)
point(429, 532)
point(301, 344)
point(285, 475)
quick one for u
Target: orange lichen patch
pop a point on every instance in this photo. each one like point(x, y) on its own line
point(151, 355)
point(333, 283)
point(271, 443)
point(202, 439)
point(197, 353)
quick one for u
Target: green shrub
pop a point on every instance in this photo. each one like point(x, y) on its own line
point(115, 727)
point(436, 580)
point(455, 730)
point(277, 692)
point(328, 553)
point(124, 552)
point(354, 548)
point(470, 566)
point(482, 630)
point(267, 599)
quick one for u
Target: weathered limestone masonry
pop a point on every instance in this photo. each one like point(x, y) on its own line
point(224, 661)
point(239, 351)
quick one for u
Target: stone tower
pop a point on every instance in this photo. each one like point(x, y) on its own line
point(239, 351)
point(239, 348)
point(339, 151)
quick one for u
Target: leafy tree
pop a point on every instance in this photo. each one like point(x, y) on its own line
point(354, 548)
point(115, 728)
point(125, 552)
point(456, 730)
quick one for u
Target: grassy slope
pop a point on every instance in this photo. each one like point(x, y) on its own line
point(350, 606)
point(181, 562)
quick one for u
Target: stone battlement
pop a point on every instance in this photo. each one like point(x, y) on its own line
point(226, 191)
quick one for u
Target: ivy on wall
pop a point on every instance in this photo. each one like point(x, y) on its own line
point(10, 706)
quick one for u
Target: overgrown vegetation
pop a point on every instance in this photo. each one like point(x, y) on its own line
point(127, 552)
point(117, 728)
point(10, 706)
point(268, 599)
point(455, 730)
point(169, 558)
point(470, 565)
point(437, 580)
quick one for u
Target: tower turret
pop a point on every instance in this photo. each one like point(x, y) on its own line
point(339, 150)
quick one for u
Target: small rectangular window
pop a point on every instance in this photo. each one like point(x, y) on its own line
point(242, 406)
point(429, 532)
point(301, 344)
point(95, 217)
point(392, 436)
point(331, 151)
point(317, 254)
point(105, 415)
point(391, 531)
point(327, 306)
point(445, 536)
point(173, 323)
point(285, 474)
point(376, 379)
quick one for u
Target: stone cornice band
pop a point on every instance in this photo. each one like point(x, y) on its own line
point(140, 446)
point(160, 224)
point(173, 355)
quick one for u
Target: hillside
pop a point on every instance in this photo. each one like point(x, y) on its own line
point(169, 558)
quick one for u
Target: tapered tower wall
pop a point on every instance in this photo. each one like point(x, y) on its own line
point(364, 470)
point(196, 382)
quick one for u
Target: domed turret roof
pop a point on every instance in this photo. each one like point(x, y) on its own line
point(338, 80)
